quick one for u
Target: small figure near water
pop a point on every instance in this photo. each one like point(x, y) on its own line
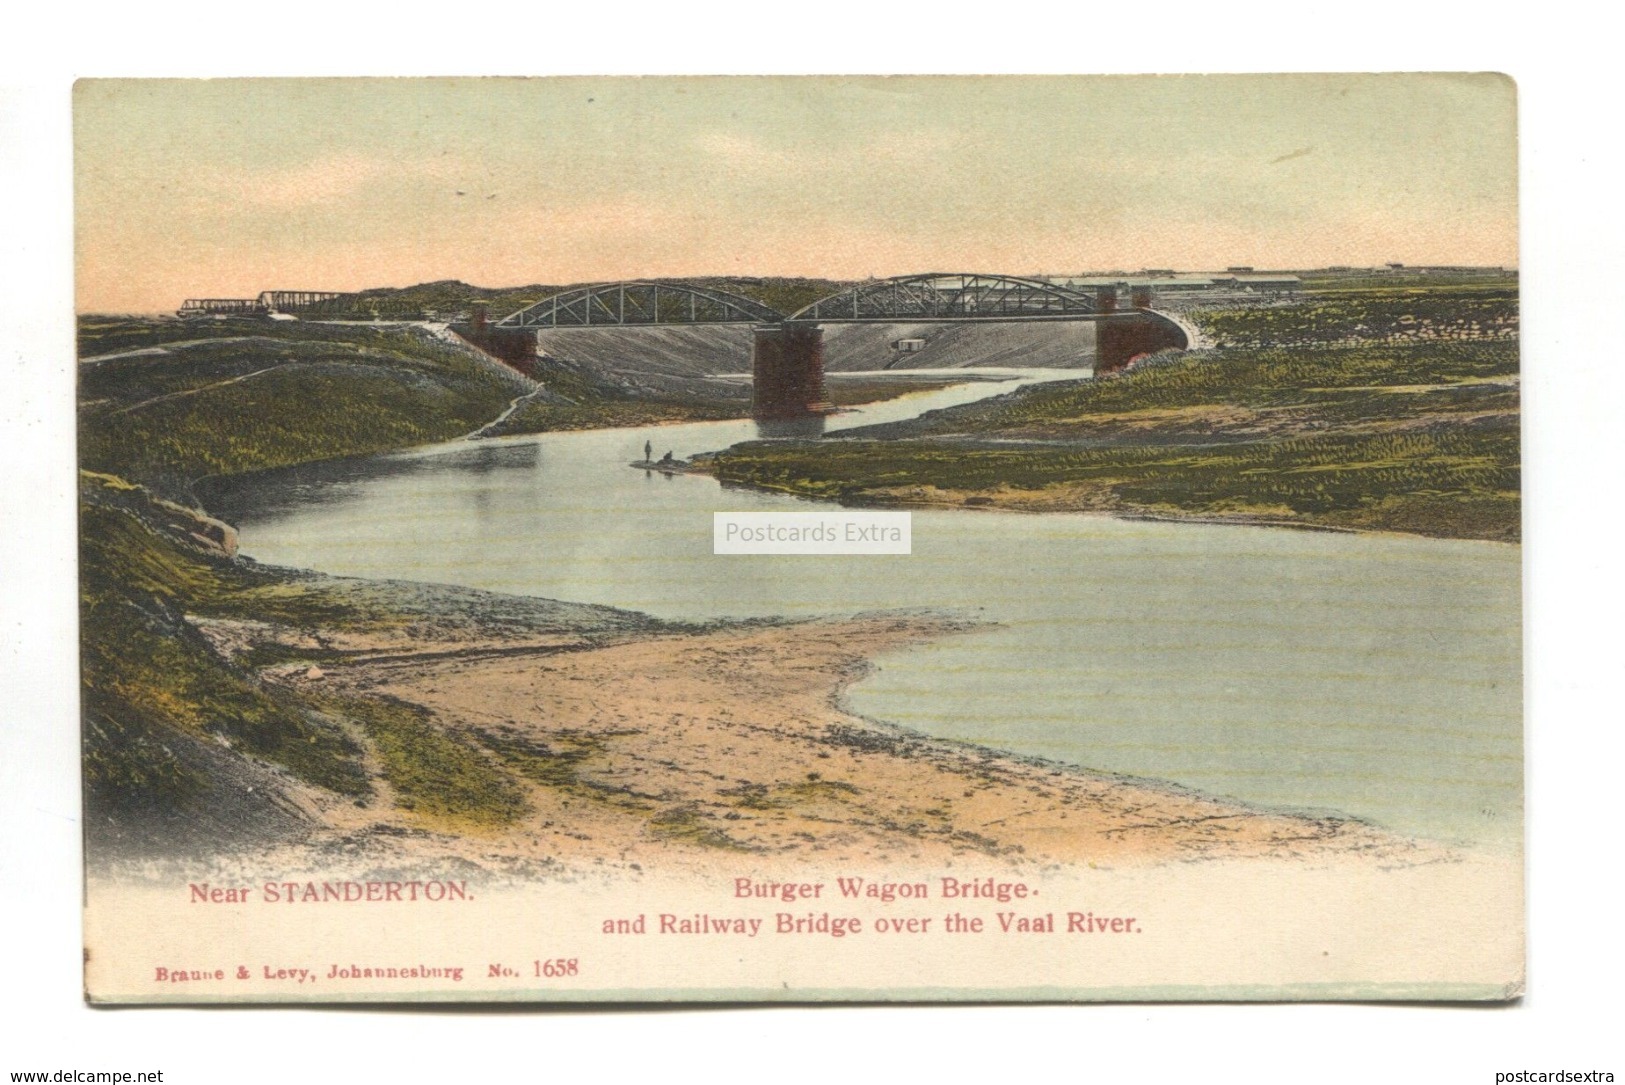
point(667, 465)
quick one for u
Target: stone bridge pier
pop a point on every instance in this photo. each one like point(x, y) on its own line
point(1125, 336)
point(787, 371)
point(515, 346)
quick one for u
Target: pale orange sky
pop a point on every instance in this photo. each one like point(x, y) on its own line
point(224, 188)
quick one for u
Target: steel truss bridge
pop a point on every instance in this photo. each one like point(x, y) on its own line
point(949, 297)
point(640, 303)
point(294, 301)
point(269, 301)
point(930, 298)
point(934, 297)
point(787, 353)
point(220, 307)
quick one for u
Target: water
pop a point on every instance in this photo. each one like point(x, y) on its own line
point(1367, 674)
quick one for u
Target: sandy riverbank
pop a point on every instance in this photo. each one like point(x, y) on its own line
point(673, 752)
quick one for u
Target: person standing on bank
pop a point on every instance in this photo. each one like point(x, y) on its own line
point(648, 451)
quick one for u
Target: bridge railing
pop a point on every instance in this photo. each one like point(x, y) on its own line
point(950, 296)
point(640, 303)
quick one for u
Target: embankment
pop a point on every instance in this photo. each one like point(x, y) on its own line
point(1409, 437)
point(659, 356)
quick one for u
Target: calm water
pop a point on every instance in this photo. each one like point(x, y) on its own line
point(1378, 676)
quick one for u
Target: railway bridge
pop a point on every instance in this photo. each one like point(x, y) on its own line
point(289, 302)
point(787, 355)
point(787, 360)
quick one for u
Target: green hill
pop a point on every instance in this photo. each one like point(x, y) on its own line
point(246, 395)
point(1390, 411)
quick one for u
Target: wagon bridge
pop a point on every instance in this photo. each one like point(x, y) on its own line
point(948, 297)
point(619, 305)
point(788, 353)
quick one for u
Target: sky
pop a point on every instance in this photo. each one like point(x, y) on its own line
point(224, 188)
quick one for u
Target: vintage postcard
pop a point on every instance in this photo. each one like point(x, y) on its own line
point(729, 539)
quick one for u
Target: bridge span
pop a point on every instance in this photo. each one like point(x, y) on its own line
point(956, 296)
point(289, 302)
point(619, 305)
point(787, 355)
point(787, 358)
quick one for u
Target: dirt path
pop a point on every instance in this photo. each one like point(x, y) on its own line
point(181, 344)
point(496, 422)
point(201, 388)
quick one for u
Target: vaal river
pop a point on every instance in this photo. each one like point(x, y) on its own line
point(1373, 675)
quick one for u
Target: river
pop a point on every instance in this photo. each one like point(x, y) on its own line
point(1374, 675)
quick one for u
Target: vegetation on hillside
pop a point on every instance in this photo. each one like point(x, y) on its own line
point(1460, 484)
point(1434, 281)
point(227, 397)
point(182, 730)
point(573, 397)
point(104, 335)
point(1392, 431)
point(1367, 316)
point(153, 685)
point(225, 404)
point(1179, 396)
point(1391, 410)
point(437, 775)
point(184, 736)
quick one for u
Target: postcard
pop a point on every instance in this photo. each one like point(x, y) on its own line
point(800, 539)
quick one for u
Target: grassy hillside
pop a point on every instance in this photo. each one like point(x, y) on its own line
point(1351, 316)
point(224, 397)
point(226, 403)
point(574, 396)
point(104, 335)
point(1410, 278)
point(188, 746)
point(158, 700)
point(1391, 432)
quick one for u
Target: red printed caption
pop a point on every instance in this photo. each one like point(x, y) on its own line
point(961, 916)
point(842, 907)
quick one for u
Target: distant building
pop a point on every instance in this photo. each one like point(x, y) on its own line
point(1268, 284)
point(1179, 284)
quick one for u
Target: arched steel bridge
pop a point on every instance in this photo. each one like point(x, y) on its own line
point(949, 296)
point(787, 352)
point(609, 305)
point(933, 297)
